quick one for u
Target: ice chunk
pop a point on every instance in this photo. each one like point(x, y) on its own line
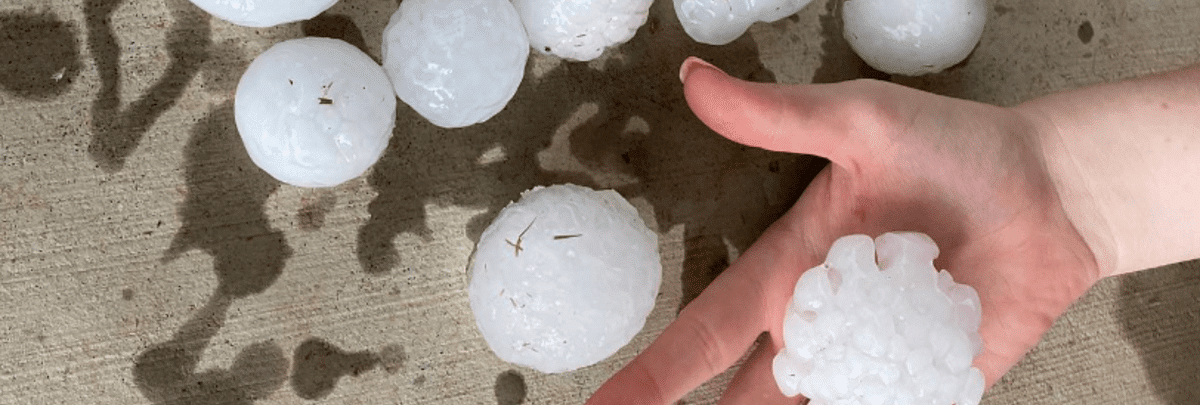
point(913, 37)
point(902, 332)
point(580, 29)
point(719, 22)
point(787, 374)
point(563, 278)
point(456, 62)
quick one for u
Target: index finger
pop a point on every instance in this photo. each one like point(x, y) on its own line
point(716, 328)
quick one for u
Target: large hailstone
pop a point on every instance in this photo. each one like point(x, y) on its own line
point(314, 112)
point(719, 22)
point(581, 29)
point(904, 335)
point(563, 278)
point(457, 62)
point(264, 13)
point(913, 37)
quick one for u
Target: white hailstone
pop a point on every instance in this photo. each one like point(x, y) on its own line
point(314, 112)
point(563, 278)
point(913, 37)
point(896, 332)
point(457, 62)
point(581, 29)
point(719, 22)
point(264, 13)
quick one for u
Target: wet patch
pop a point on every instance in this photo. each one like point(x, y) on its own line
point(318, 365)
point(39, 54)
point(510, 388)
point(1085, 32)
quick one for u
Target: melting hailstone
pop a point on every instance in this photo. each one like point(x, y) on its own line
point(913, 37)
point(719, 22)
point(264, 13)
point(581, 29)
point(457, 62)
point(314, 112)
point(564, 278)
point(877, 324)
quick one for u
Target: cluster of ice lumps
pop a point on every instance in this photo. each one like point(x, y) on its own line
point(581, 29)
point(897, 333)
point(314, 112)
point(913, 37)
point(719, 22)
point(264, 13)
point(456, 62)
point(564, 278)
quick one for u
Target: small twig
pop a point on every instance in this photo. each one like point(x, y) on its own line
point(517, 246)
point(561, 237)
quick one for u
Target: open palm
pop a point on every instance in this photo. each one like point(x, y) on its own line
point(969, 175)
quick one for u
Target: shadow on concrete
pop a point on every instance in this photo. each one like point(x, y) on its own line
point(222, 216)
point(1159, 310)
point(117, 131)
point(39, 54)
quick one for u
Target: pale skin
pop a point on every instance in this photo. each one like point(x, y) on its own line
point(1031, 205)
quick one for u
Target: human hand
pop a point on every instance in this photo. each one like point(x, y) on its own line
point(971, 176)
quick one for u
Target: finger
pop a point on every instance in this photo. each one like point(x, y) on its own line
point(715, 329)
point(821, 120)
point(754, 383)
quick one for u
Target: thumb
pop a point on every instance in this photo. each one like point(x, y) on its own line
point(826, 120)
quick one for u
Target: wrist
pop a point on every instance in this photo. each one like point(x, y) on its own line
point(1074, 190)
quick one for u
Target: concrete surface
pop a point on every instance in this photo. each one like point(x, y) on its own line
point(145, 260)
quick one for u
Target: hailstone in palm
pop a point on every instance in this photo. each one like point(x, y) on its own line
point(719, 22)
point(456, 62)
point(563, 278)
point(895, 331)
point(913, 37)
point(314, 112)
point(264, 13)
point(581, 29)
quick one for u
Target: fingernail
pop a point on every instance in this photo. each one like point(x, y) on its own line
point(691, 64)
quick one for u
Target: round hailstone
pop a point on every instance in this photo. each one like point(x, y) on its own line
point(563, 278)
point(581, 29)
point(457, 62)
point(264, 13)
point(314, 112)
point(719, 22)
point(904, 335)
point(913, 37)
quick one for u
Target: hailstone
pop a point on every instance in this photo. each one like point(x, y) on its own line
point(264, 13)
point(906, 334)
point(913, 37)
point(581, 29)
point(564, 278)
point(314, 112)
point(719, 22)
point(457, 62)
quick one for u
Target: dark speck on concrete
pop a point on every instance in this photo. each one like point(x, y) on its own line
point(419, 381)
point(510, 388)
point(1085, 32)
point(127, 294)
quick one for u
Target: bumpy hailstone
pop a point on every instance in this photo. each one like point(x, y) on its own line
point(314, 112)
point(913, 37)
point(457, 62)
point(719, 22)
point(563, 278)
point(903, 335)
point(264, 13)
point(581, 29)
